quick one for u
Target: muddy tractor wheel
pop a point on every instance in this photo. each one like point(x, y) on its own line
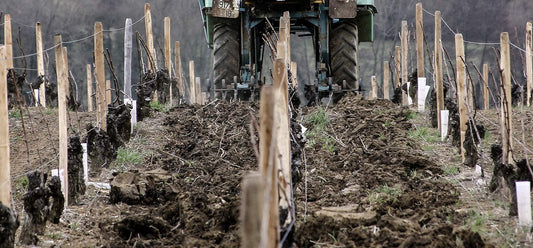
point(343, 46)
point(226, 54)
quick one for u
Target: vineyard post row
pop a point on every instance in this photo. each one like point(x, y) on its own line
point(270, 189)
point(102, 91)
point(465, 85)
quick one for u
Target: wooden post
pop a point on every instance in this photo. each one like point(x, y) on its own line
point(5, 168)
point(529, 62)
point(294, 71)
point(40, 62)
point(386, 80)
point(439, 73)
point(285, 35)
point(461, 89)
point(419, 41)
point(506, 113)
point(8, 40)
point(281, 124)
point(67, 70)
point(251, 209)
point(100, 75)
point(374, 92)
point(108, 91)
point(486, 104)
point(150, 36)
point(168, 52)
point(62, 80)
point(177, 64)
point(192, 91)
point(128, 47)
point(268, 169)
point(397, 66)
point(198, 90)
point(470, 91)
point(405, 49)
point(89, 89)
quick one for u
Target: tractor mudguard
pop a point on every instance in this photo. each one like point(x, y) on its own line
point(226, 8)
point(342, 9)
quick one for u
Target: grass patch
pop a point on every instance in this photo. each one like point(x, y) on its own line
point(476, 221)
point(158, 107)
point(48, 111)
point(317, 121)
point(128, 156)
point(431, 135)
point(15, 113)
point(20, 185)
point(410, 115)
point(451, 170)
point(385, 194)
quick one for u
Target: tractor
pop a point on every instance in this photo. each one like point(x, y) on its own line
point(235, 30)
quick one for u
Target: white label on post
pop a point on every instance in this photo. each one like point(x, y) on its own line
point(422, 92)
point(85, 163)
point(444, 114)
point(409, 100)
point(36, 97)
point(523, 202)
point(134, 115)
point(133, 112)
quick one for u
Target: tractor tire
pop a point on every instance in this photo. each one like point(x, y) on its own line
point(343, 47)
point(226, 56)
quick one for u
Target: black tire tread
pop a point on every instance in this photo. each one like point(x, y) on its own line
point(226, 53)
point(343, 44)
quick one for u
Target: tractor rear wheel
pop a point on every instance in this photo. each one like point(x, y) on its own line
point(226, 54)
point(343, 46)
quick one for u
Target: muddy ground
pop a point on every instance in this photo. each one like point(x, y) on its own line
point(373, 175)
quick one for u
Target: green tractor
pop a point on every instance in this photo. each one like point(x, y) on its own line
point(234, 30)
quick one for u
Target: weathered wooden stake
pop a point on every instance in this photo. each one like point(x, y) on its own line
point(386, 80)
point(177, 64)
point(40, 62)
point(8, 40)
point(192, 91)
point(128, 47)
point(89, 89)
point(198, 90)
point(281, 124)
point(268, 169)
point(285, 36)
point(397, 66)
point(470, 95)
point(374, 92)
point(405, 47)
point(529, 62)
point(62, 81)
point(419, 41)
point(100, 75)
point(506, 113)
point(439, 73)
point(168, 54)
point(461, 89)
point(67, 70)
point(108, 91)
point(251, 209)
point(150, 36)
point(5, 168)
point(486, 103)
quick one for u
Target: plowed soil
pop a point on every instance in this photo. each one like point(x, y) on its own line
point(364, 181)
